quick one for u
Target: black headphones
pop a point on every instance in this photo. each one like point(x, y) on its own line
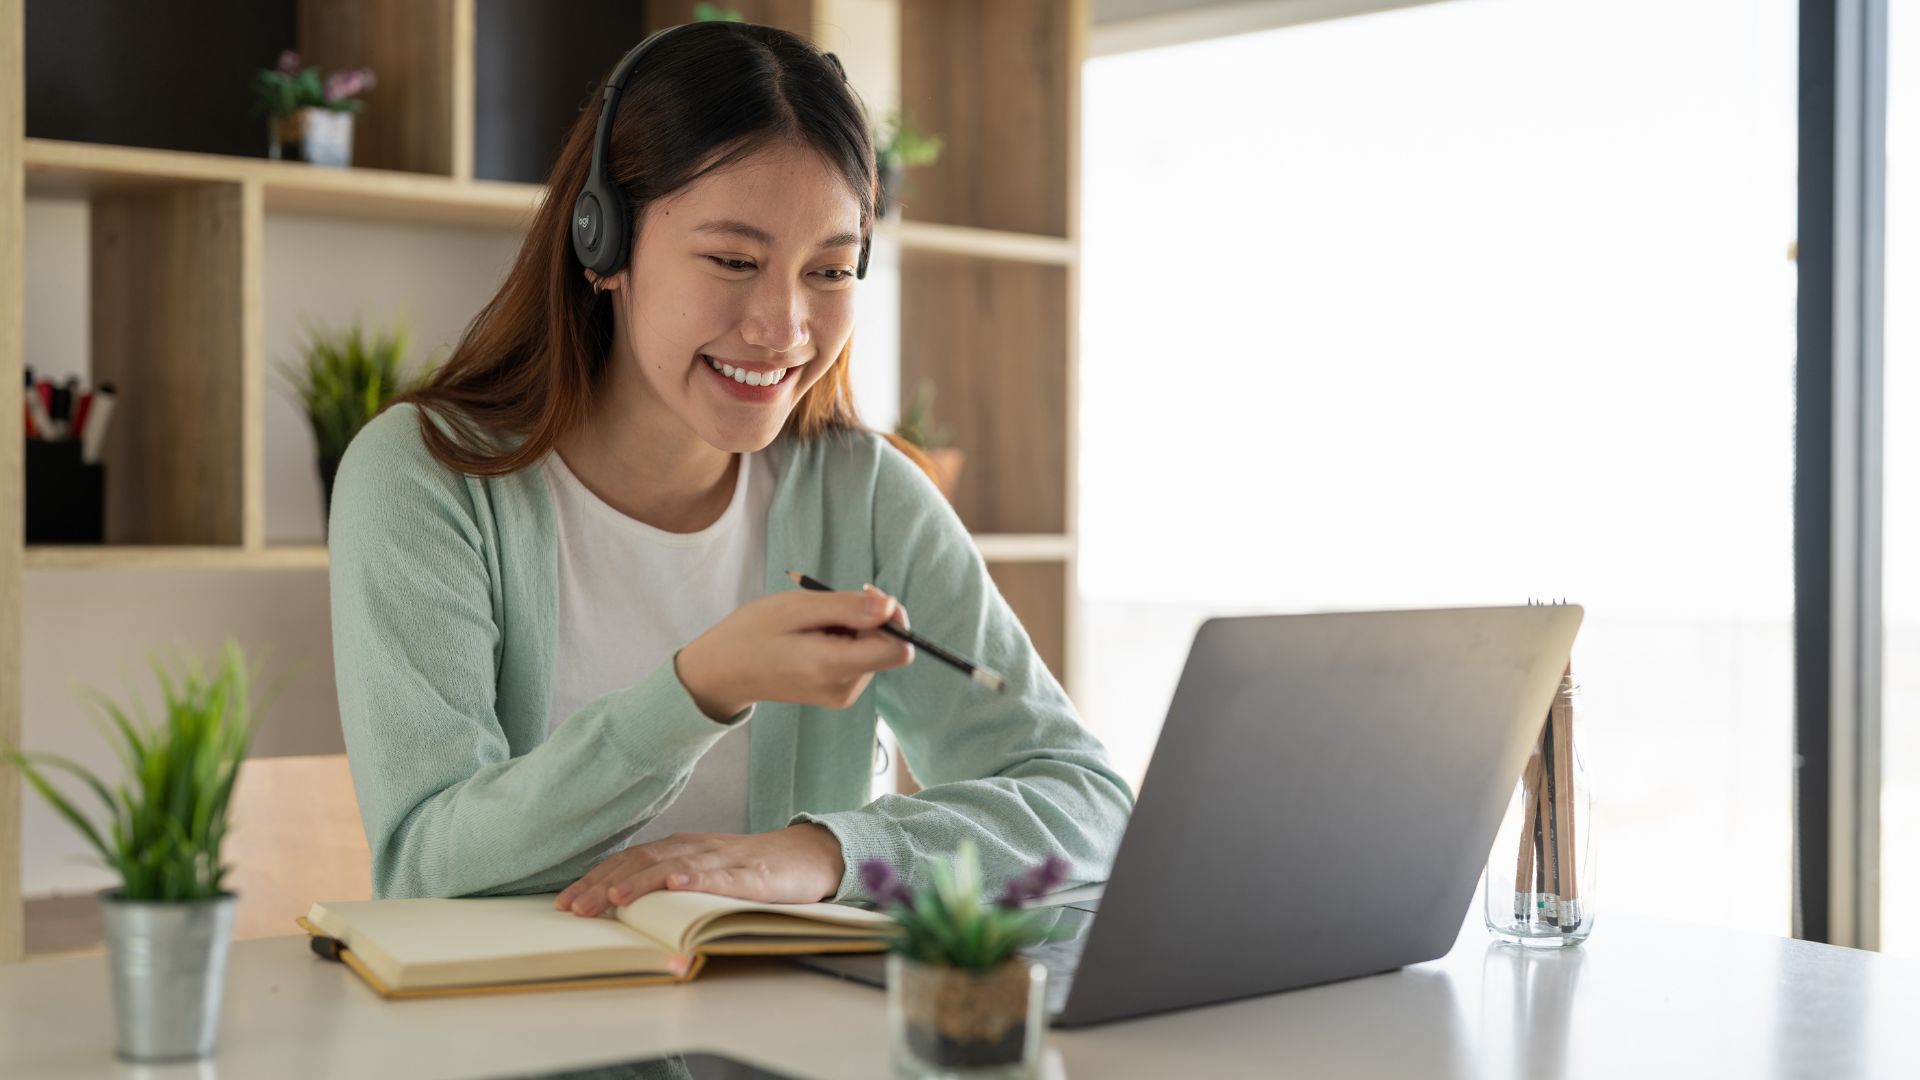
point(601, 232)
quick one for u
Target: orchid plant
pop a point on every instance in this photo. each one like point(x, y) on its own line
point(288, 87)
point(946, 920)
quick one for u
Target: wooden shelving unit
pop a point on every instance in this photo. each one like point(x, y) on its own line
point(989, 258)
point(992, 325)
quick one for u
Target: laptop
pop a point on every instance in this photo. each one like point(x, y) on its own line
point(1319, 807)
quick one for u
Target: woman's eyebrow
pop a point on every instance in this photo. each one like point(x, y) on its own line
point(758, 235)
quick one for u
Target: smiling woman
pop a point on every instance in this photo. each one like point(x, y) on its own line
point(568, 655)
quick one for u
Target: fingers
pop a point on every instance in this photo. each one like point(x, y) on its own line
point(864, 609)
point(846, 659)
point(899, 616)
point(589, 895)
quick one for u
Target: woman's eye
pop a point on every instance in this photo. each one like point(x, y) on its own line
point(727, 263)
point(841, 275)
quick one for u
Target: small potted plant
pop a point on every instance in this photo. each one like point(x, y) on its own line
point(899, 146)
point(169, 920)
point(961, 1000)
point(343, 381)
point(310, 118)
point(916, 426)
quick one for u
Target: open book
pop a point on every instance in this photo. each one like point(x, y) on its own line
point(430, 947)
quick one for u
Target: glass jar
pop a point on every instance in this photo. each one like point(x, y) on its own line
point(950, 1022)
point(1540, 874)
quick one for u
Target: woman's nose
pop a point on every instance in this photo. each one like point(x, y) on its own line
point(777, 319)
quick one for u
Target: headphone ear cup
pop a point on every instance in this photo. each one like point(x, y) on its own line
point(599, 230)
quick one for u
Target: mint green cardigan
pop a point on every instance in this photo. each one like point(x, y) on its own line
point(444, 596)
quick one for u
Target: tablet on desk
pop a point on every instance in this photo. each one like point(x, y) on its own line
point(687, 1066)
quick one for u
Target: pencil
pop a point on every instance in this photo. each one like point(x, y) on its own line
point(979, 673)
point(1561, 724)
point(1523, 865)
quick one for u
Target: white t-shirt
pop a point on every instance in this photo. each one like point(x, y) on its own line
point(631, 594)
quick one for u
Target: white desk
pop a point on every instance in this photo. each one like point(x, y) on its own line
point(1641, 999)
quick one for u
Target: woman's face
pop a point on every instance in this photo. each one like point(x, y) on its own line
point(751, 266)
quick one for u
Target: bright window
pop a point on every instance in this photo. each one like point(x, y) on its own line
point(1472, 302)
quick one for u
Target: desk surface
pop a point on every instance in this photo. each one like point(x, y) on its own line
point(1642, 998)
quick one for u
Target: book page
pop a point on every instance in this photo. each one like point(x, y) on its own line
point(690, 918)
point(416, 943)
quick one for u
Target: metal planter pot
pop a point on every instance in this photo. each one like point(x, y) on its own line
point(168, 961)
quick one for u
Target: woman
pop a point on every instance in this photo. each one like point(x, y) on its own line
point(569, 656)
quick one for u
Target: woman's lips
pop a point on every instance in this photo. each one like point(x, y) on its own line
point(741, 391)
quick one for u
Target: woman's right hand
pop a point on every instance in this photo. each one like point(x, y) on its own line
point(802, 646)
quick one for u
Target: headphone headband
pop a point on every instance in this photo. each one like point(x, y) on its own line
point(600, 229)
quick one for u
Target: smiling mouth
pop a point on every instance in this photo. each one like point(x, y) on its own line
point(746, 377)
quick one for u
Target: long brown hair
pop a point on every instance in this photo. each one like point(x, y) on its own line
point(705, 97)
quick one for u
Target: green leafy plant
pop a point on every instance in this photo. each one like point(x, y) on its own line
point(164, 825)
point(916, 421)
point(947, 921)
point(901, 145)
point(345, 379)
point(705, 12)
point(288, 87)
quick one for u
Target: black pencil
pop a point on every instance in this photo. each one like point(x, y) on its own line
point(981, 674)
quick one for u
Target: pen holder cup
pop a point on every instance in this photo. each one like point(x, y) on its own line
point(1540, 874)
point(66, 497)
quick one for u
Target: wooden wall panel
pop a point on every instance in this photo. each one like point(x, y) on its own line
point(169, 272)
point(12, 477)
point(413, 46)
point(1037, 592)
point(992, 337)
point(996, 79)
point(794, 15)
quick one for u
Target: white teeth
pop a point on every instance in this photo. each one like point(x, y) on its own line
point(741, 375)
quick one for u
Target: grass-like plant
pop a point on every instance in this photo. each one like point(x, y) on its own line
point(164, 825)
point(899, 144)
point(948, 921)
point(345, 379)
point(916, 424)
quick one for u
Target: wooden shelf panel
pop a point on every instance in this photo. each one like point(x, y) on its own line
point(1009, 548)
point(1024, 547)
point(1037, 593)
point(173, 557)
point(992, 338)
point(924, 238)
point(998, 80)
point(87, 170)
point(170, 278)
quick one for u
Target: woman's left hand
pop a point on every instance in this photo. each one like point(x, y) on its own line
point(795, 865)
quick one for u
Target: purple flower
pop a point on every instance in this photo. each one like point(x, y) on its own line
point(1035, 883)
point(345, 84)
point(289, 62)
point(883, 884)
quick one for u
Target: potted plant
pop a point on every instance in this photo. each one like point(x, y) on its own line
point(169, 920)
point(899, 146)
point(916, 425)
point(710, 12)
point(343, 381)
point(310, 118)
point(960, 997)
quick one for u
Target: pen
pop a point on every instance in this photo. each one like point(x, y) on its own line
point(37, 413)
point(985, 676)
point(98, 415)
